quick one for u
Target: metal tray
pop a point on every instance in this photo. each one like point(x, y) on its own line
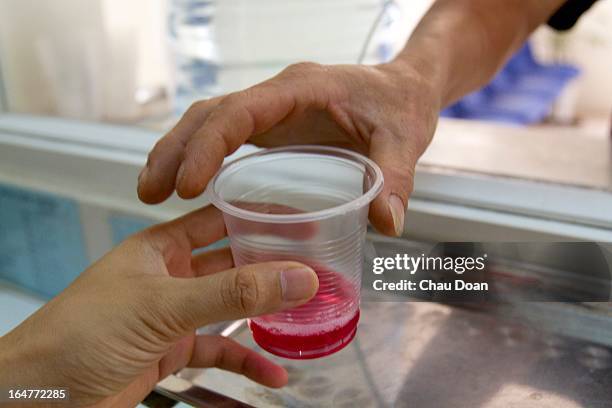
point(410, 353)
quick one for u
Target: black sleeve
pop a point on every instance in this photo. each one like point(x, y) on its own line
point(569, 13)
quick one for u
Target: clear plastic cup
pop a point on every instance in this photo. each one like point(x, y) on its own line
point(308, 204)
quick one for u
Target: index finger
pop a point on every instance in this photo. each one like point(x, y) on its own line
point(194, 230)
point(156, 180)
point(227, 354)
point(238, 117)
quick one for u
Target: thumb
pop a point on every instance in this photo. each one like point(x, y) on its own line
point(241, 292)
point(397, 160)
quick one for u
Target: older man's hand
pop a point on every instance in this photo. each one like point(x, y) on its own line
point(388, 112)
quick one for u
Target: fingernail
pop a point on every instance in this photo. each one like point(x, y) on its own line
point(396, 206)
point(297, 283)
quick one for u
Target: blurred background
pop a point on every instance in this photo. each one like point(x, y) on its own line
point(108, 60)
point(111, 61)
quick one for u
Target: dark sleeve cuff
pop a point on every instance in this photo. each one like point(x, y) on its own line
point(569, 13)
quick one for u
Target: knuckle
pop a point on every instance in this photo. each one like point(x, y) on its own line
point(302, 68)
point(235, 97)
point(241, 293)
point(166, 146)
point(157, 308)
point(160, 147)
point(195, 108)
point(155, 152)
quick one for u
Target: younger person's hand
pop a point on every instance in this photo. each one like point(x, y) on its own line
point(130, 319)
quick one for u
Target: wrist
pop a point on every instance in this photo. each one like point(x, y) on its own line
point(21, 363)
point(10, 364)
point(417, 77)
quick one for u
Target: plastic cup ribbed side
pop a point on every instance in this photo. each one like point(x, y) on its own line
point(308, 204)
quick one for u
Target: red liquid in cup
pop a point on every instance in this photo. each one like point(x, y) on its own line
point(324, 325)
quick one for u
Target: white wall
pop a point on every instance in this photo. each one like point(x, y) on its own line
point(81, 59)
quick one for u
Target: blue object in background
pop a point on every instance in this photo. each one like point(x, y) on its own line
point(122, 226)
point(41, 241)
point(225, 242)
point(522, 93)
point(42, 244)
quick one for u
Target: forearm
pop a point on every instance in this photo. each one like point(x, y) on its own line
point(27, 358)
point(460, 44)
point(13, 371)
point(15, 364)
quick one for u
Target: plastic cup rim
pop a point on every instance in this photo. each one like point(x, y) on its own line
point(356, 203)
